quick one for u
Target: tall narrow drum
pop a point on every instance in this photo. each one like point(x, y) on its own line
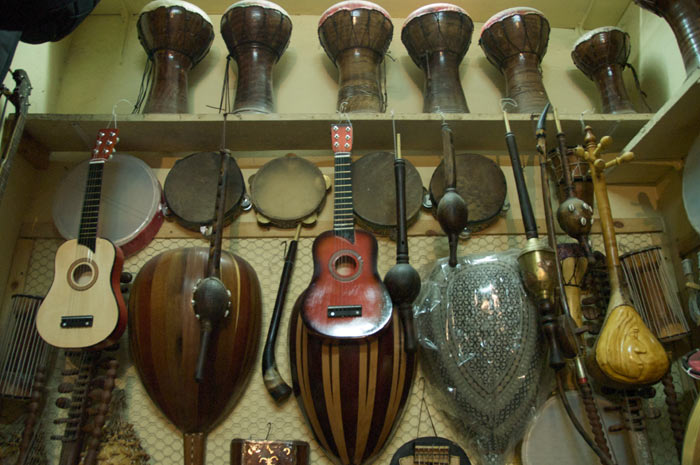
point(515, 41)
point(256, 33)
point(684, 18)
point(437, 37)
point(355, 36)
point(602, 55)
point(176, 36)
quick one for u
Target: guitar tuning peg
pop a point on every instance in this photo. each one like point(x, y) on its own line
point(95, 394)
point(63, 402)
point(70, 372)
point(98, 382)
point(57, 437)
point(125, 277)
point(65, 387)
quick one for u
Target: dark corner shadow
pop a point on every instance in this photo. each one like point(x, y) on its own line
point(414, 72)
point(282, 69)
point(493, 73)
point(204, 67)
point(328, 65)
point(587, 86)
point(647, 207)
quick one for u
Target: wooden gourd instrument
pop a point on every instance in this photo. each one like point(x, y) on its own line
point(626, 352)
point(194, 319)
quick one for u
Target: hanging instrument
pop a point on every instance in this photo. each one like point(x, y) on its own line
point(350, 369)
point(204, 306)
point(430, 451)
point(355, 35)
point(374, 192)
point(256, 34)
point(684, 18)
point(602, 54)
point(84, 307)
point(515, 41)
point(626, 352)
point(176, 35)
point(19, 97)
point(131, 210)
point(437, 36)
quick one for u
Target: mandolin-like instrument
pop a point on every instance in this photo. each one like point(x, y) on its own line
point(84, 306)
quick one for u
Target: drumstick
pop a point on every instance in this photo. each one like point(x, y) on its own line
point(274, 383)
point(403, 281)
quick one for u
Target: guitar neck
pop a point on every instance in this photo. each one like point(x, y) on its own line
point(87, 234)
point(343, 219)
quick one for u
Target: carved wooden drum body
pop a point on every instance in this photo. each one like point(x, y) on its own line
point(256, 33)
point(355, 36)
point(684, 18)
point(437, 37)
point(131, 210)
point(515, 41)
point(602, 55)
point(351, 391)
point(481, 349)
point(176, 36)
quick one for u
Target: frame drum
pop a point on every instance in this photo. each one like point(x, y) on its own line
point(287, 190)
point(437, 37)
point(374, 192)
point(256, 33)
point(355, 36)
point(176, 36)
point(602, 55)
point(131, 209)
point(190, 189)
point(480, 182)
point(684, 18)
point(551, 439)
point(515, 41)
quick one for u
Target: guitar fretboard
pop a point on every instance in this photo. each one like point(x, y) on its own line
point(87, 233)
point(343, 220)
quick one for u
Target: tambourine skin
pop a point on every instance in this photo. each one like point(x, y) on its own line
point(355, 36)
point(602, 56)
point(437, 37)
point(515, 41)
point(256, 34)
point(175, 39)
point(684, 18)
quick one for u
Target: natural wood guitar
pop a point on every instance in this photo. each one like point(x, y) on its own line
point(346, 297)
point(84, 307)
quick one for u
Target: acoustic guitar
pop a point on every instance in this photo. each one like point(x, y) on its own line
point(346, 297)
point(84, 307)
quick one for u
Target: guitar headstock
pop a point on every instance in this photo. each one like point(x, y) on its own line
point(341, 137)
point(106, 142)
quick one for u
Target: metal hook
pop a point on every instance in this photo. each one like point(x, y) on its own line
point(284, 249)
point(114, 111)
point(583, 123)
point(508, 101)
point(269, 428)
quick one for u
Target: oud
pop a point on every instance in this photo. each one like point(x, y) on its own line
point(346, 297)
point(84, 306)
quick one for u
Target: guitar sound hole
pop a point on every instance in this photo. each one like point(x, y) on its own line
point(82, 275)
point(345, 266)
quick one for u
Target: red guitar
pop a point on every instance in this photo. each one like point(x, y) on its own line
point(346, 297)
point(84, 307)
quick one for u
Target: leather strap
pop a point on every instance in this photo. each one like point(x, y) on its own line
point(195, 448)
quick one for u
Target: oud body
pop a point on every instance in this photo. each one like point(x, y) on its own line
point(84, 306)
point(164, 337)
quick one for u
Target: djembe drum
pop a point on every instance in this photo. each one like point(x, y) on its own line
point(602, 56)
point(355, 36)
point(515, 41)
point(437, 37)
point(684, 18)
point(256, 34)
point(176, 36)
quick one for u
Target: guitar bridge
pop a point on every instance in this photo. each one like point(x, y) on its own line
point(344, 311)
point(81, 321)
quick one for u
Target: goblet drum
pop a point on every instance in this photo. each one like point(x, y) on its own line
point(515, 41)
point(176, 36)
point(602, 56)
point(256, 33)
point(437, 37)
point(355, 36)
point(684, 18)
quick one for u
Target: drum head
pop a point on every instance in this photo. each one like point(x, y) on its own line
point(131, 197)
point(287, 189)
point(691, 187)
point(374, 190)
point(480, 182)
point(190, 188)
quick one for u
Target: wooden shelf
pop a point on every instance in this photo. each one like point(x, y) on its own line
point(666, 137)
point(290, 132)
point(564, 14)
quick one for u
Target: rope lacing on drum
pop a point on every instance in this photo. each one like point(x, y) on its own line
point(639, 87)
point(144, 87)
point(225, 101)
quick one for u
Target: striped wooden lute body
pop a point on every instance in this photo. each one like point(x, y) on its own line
point(164, 335)
point(350, 369)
